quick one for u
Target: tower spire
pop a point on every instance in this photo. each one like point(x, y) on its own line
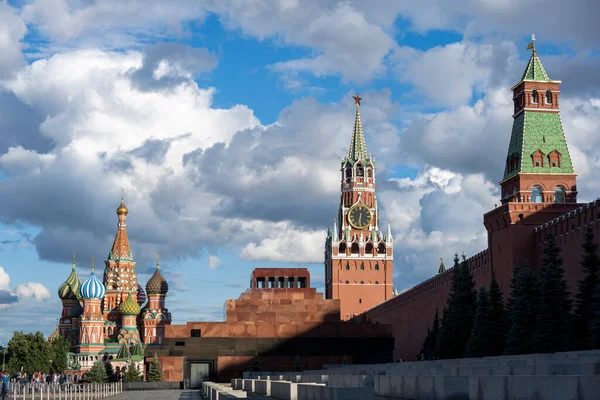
point(73, 263)
point(534, 71)
point(358, 146)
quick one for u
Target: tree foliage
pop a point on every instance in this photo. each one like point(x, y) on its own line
point(110, 372)
point(522, 312)
point(498, 321)
point(478, 341)
point(255, 364)
point(594, 324)
point(580, 337)
point(457, 321)
point(132, 374)
point(155, 374)
point(59, 347)
point(428, 350)
point(554, 303)
point(298, 363)
point(97, 374)
point(29, 352)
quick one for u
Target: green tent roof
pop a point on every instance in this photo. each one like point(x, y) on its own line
point(535, 71)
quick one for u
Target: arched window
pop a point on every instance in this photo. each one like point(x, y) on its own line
point(377, 282)
point(360, 171)
point(354, 249)
point(370, 173)
point(348, 173)
point(534, 96)
point(362, 266)
point(559, 194)
point(362, 282)
point(360, 300)
point(381, 248)
point(369, 248)
point(548, 96)
point(342, 248)
point(376, 266)
point(347, 266)
point(536, 194)
point(347, 282)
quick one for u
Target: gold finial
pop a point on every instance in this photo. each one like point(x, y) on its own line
point(73, 259)
point(357, 99)
point(532, 44)
point(157, 260)
point(93, 264)
point(122, 210)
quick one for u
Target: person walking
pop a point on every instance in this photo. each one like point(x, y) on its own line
point(5, 381)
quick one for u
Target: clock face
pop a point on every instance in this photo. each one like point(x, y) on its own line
point(359, 216)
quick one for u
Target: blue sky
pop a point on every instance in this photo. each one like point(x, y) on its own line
point(224, 122)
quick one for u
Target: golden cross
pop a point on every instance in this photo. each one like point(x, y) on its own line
point(92, 263)
point(157, 258)
point(122, 194)
point(74, 257)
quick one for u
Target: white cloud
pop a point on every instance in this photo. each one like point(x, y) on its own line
point(10, 297)
point(213, 262)
point(12, 31)
point(284, 243)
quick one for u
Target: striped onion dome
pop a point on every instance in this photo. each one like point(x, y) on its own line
point(157, 284)
point(129, 306)
point(69, 290)
point(92, 288)
point(141, 295)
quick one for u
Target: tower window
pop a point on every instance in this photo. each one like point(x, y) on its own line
point(362, 266)
point(362, 282)
point(347, 266)
point(534, 96)
point(348, 174)
point(548, 96)
point(354, 248)
point(536, 194)
point(377, 282)
point(559, 194)
point(537, 163)
point(347, 282)
point(381, 248)
point(195, 333)
point(376, 266)
point(360, 170)
point(360, 300)
point(369, 248)
point(342, 248)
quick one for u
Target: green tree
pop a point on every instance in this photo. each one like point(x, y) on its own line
point(428, 350)
point(457, 321)
point(59, 347)
point(255, 365)
point(110, 372)
point(594, 325)
point(498, 321)
point(298, 363)
point(132, 374)
point(155, 374)
point(580, 338)
point(29, 351)
point(523, 310)
point(345, 361)
point(555, 305)
point(477, 345)
point(97, 374)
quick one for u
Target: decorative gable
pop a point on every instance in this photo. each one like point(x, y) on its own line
point(538, 158)
point(554, 159)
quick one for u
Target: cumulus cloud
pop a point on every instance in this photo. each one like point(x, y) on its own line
point(12, 296)
point(213, 262)
point(12, 31)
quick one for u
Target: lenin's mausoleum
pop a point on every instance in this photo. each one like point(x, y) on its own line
point(281, 321)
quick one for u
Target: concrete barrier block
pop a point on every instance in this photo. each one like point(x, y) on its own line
point(263, 387)
point(248, 385)
point(284, 390)
point(322, 392)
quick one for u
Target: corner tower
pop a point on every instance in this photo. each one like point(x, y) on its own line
point(358, 256)
point(538, 165)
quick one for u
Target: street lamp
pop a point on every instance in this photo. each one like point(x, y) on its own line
point(3, 356)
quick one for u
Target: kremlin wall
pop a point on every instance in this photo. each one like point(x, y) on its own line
point(281, 323)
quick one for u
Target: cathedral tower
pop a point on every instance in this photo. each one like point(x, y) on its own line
point(155, 315)
point(120, 278)
point(68, 292)
point(358, 256)
point(92, 319)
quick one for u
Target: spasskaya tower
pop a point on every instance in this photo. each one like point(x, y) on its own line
point(358, 256)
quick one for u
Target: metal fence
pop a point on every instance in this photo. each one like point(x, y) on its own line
point(68, 391)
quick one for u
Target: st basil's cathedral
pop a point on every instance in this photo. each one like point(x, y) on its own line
point(113, 318)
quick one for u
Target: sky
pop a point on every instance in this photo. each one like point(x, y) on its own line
point(224, 122)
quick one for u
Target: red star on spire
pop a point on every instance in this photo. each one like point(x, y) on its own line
point(357, 99)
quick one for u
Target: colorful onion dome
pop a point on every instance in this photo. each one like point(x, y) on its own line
point(92, 288)
point(129, 306)
point(122, 210)
point(157, 284)
point(69, 290)
point(141, 295)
